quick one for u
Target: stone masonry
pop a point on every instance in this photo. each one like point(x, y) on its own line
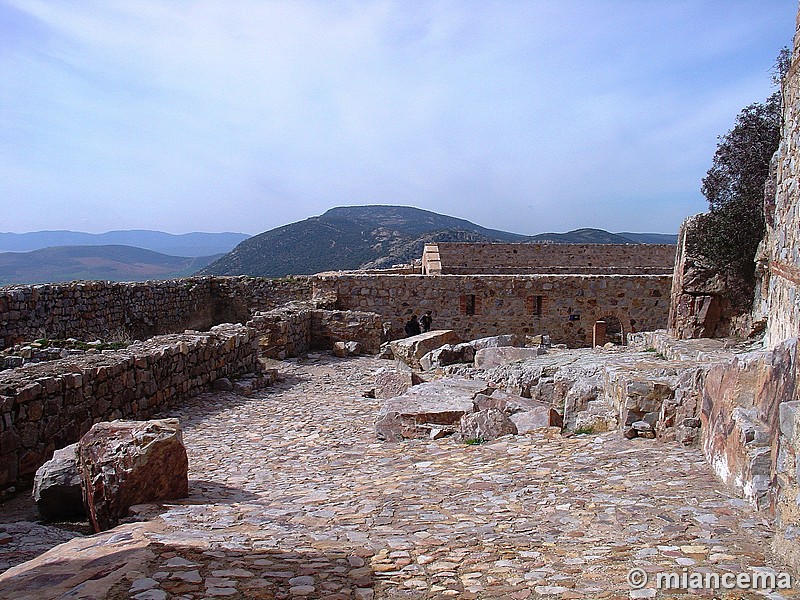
point(50, 405)
point(460, 258)
point(475, 306)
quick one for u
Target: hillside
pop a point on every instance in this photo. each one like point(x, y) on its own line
point(186, 244)
point(355, 237)
point(114, 263)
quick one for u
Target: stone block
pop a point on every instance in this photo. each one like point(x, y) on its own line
point(486, 424)
point(57, 486)
point(488, 358)
point(123, 463)
point(438, 404)
point(410, 350)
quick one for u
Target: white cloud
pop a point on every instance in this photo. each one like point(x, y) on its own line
point(590, 113)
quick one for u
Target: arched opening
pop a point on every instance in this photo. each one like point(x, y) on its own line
point(614, 331)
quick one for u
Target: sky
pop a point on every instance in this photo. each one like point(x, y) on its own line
point(234, 115)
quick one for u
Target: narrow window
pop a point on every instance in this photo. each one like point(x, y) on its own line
point(470, 305)
point(535, 305)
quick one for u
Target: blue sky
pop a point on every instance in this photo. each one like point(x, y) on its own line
point(234, 115)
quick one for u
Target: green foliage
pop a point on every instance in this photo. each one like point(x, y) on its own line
point(475, 441)
point(727, 237)
point(584, 430)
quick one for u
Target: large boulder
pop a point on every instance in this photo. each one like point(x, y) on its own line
point(526, 414)
point(428, 409)
point(487, 424)
point(411, 349)
point(57, 487)
point(123, 463)
point(390, 382)
point(448, 354)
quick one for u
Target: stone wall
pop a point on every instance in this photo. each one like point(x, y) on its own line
point(701, 305)
point(330, 326)
point(50, 405)
point(783, 220)
point(108, 310)
point(457, 258)
point(283, 332)
point(562, 306)
point(297, 328)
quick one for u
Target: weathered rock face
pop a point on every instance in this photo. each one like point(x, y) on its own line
point(740, 417)
point(123, 463)
point(57, 486)
point(390, 382)
point(410, 350)
point(448, 354)
point(488, 424)
point(700, 305)
point(427, 409)
point(526, 414)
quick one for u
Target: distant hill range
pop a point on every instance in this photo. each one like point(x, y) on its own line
point(355, 237)
point(114, 263)
point(186, 244)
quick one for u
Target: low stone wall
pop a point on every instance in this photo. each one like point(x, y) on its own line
point(50, 405)
point(112, 310)
point(283, 332)
point(459, 258)
point(474, 306)
point(297, 328)
point(330, 326)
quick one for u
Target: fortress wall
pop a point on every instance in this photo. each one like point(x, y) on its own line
point(110, 310)
point(562, 306)
point(783, 220)
point(47, 406)
point(457, 258)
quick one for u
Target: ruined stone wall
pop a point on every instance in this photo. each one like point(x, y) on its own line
point(297, 328)
point(50, 405)
point(330, 326)
point(456, 258)
point(562, 306)
point(111, 310)
point(283, 332)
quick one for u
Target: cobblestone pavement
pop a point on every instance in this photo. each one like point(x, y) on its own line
point(294, 497)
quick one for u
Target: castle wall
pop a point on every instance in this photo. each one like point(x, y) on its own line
point(47, 406)
point(103, 309)
point(783, 220)
point(562, 306)
point(456, 258)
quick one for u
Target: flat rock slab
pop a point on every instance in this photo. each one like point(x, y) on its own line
point(438, 404)
point(487, 358)
point(410, 350)
point(85, 567)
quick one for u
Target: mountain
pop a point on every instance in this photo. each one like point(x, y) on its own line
point(582, 236)
point(651, 238)
point(353, 237)
point(115, 263)
point(186, 244)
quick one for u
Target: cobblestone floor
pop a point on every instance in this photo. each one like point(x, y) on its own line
point(293, 497)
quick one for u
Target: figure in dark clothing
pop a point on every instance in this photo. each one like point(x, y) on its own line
point(426, 321)
point(412, 327)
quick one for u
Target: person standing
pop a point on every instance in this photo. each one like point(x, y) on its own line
point(426, 321)
point(412, 326)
